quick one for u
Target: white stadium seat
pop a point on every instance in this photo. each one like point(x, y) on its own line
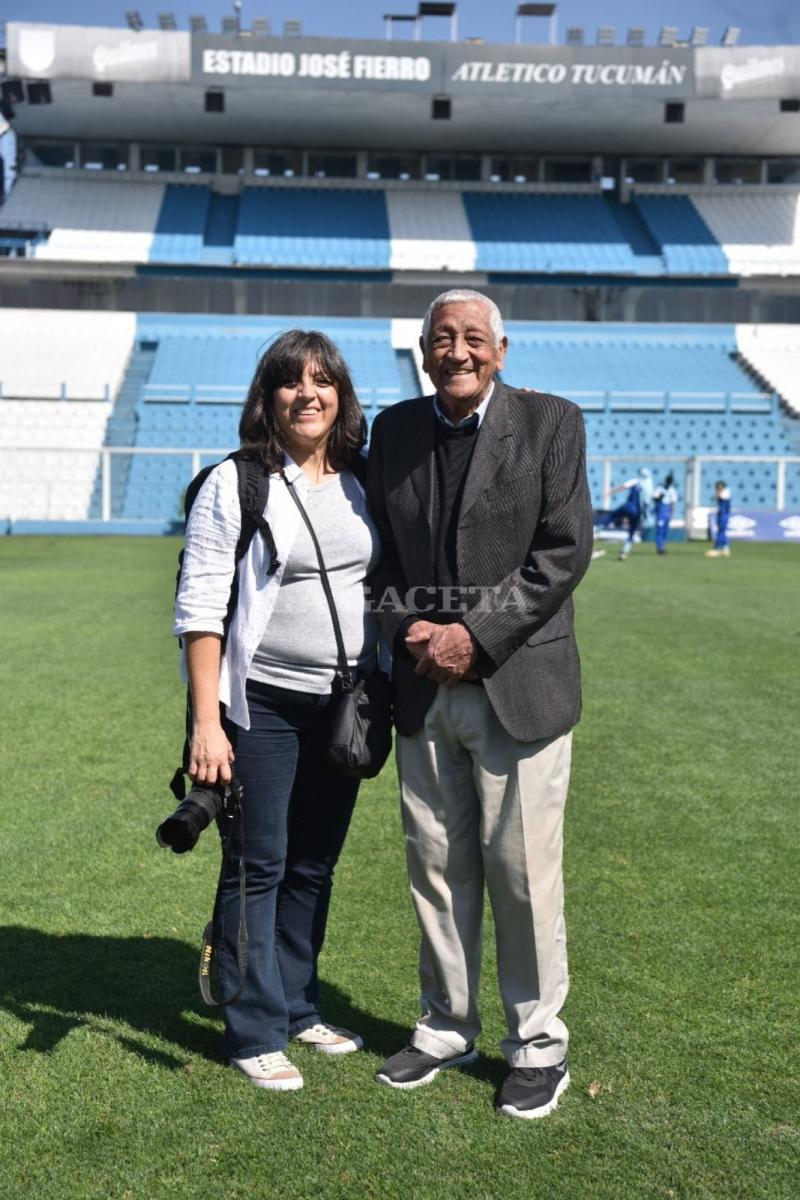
point(46, 353)
point(774, 351)
point(429, 231)
point(91, 220)
point(760, 233)
point(38, 484)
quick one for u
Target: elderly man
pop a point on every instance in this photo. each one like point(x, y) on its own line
point(481, 499)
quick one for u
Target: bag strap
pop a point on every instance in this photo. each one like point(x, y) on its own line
point(253, 488)
point(343, 669)
point(209, 950)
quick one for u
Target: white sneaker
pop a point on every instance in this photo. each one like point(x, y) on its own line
point(270, 1071)
point(329, 1039)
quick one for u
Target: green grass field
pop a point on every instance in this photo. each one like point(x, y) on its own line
point(682, 906)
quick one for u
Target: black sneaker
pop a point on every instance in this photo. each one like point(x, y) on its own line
point(411, 1068)
point(533, 1091)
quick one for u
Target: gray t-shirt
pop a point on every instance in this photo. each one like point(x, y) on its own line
point(298, 647)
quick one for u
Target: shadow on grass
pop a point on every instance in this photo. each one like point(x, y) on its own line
point(57, 983)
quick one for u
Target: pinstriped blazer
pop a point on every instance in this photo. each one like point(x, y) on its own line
point(524, 540)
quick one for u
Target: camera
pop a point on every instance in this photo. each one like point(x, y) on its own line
point(195, 813)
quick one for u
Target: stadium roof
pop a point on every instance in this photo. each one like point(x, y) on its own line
point(353, 93)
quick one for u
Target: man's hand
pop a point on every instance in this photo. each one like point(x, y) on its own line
point(418, 636)
point(448, 651)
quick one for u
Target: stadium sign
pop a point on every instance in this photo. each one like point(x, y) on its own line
point(576, 74)
point(342, 65)
point(748, 73)
point(506, 70)
point(112, 55)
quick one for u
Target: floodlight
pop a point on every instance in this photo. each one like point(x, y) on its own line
point(668, 35)
point(605, 35)
point(699, 36)
point(731, 35)
point(292, 28)
point(135, 22)
point(536, 10)
point(435, 10)
point(166, 21)
point(575, 35)
point(229, 25)
point(635, 36)
point(198, 24)
point(390, 19)
point(260, 27)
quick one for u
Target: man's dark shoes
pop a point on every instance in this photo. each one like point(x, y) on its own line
point(531, 1092)
point(411, 1068)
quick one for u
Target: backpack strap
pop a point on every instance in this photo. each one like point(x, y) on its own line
point(253, 483)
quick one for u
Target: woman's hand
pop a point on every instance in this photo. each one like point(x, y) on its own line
point(210, 753)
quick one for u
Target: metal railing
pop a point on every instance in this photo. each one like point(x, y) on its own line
point(691, 491)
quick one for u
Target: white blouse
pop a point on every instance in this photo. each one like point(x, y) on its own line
point(212, 532)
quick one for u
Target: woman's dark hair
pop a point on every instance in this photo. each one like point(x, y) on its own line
point(283, 362)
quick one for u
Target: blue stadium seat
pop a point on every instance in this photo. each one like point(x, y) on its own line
point(303, 227)
point(181, 223)
point(199, 378)
point(548, 234)
point(687, 244)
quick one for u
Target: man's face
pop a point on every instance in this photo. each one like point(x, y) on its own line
point(461, 355)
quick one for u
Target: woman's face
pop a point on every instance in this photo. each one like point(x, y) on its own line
point(306, 408)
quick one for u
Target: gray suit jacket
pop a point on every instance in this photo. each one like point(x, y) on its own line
point(524, 537)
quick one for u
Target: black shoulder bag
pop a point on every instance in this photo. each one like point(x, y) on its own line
point(360, 737)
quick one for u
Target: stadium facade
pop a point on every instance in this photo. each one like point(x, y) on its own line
point(165, 174)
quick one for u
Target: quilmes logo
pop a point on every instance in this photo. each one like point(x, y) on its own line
point(126, 54)
point(790, 527)
point(755, 70)
point(37, 50)
point(740, 526)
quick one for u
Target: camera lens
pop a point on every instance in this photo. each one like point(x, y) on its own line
point(180, 832)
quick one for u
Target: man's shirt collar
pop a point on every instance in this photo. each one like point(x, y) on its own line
point(480, 411)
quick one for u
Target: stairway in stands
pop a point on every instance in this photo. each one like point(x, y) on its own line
point(121, 429)
point(786, 414)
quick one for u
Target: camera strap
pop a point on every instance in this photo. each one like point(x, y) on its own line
point(208, 952)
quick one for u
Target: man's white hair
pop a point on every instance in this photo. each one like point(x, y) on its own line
point(465, 296)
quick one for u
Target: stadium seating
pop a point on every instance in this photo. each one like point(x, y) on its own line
point(624, 367)
point(428, 228)
point(37, 484)
point(314, 229)
point(758, 231)
point(429, 231)
point(687, 244)
point(650, 393)
point(199, 378)
point(91, 220)
point(548, 233)
point(774, 351)
point(52, 353)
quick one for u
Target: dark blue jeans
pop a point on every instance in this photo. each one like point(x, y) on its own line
point(296, 812)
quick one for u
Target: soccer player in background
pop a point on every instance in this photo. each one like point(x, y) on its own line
point(721, 548)
point(634, 508)
point(665, 497)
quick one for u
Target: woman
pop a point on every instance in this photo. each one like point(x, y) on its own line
point(274, 679)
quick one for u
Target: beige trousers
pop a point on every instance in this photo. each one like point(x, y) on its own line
point(480, 807)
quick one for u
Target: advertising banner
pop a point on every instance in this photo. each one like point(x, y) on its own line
point(748, 72)
point(752, 525)
point(102, 55)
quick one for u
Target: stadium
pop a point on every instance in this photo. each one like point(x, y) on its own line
point(175, 198)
